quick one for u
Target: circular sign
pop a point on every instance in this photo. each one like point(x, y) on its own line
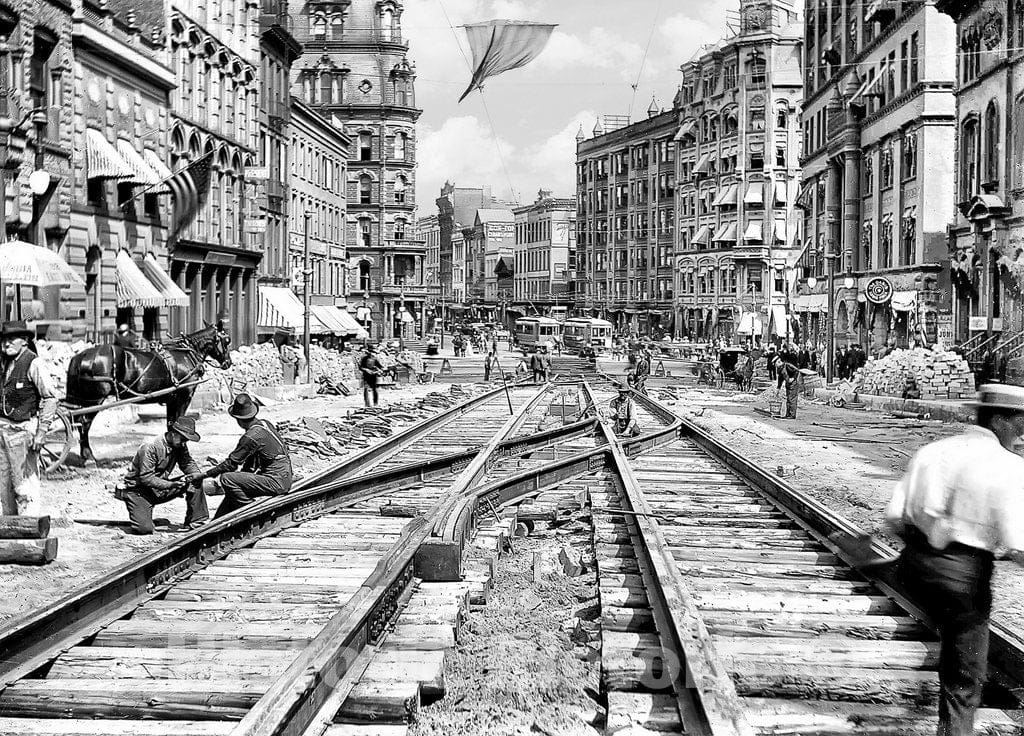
point(878, 290)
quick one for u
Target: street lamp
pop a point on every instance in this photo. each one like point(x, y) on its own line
point(306, 274)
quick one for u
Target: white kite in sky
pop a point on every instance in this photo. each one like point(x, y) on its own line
point(501, 45)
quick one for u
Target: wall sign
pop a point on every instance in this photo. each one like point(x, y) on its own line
point(878, 290)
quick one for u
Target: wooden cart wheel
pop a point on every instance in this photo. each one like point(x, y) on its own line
point(56, 443)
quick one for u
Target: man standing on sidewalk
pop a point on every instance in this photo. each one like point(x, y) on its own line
point(27, 406)
point(961, 499)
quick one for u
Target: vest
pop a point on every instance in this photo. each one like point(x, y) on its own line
point(19, 398)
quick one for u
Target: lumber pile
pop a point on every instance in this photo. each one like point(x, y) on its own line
point(333, 436)
point(917, 373)
point(26, 540)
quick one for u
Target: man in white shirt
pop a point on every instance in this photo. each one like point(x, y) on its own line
point(961, 500)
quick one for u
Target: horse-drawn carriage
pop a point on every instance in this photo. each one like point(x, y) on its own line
point(166, 374)
point(733, 364)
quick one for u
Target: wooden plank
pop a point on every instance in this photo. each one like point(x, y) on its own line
point(180, 593)
point(767, 602)
point(72, 727)
point(131, 698)
point(835, 651)
point(365, 729)
point(395, 701)
point(200, 635)
point(739, 569)
point(214, 611)
point(24, 527)
point(703, 584)
point(801, 626)
point(651, 711)
point(635, 661)
point(772, 716)
point(27, 551)
point(883, 686)
point(168, 664)
point(424, 667)
point(774, 557)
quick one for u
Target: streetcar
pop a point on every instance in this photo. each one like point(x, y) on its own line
point(534, 332)
point(578, 331)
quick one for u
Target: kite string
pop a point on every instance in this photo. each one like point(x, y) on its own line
point(643, 60)
point(487, 112)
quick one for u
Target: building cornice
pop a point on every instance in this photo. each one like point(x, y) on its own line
point(112, 49)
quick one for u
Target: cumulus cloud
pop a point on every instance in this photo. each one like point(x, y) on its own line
point(599, 48)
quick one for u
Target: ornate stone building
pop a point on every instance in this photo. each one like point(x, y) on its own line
point(737, 177)
point(877, 191)
point(215, 54)
point(119, 215)
point(987, 237)
point(355, 72)
point(544, 253)
point(36, 65)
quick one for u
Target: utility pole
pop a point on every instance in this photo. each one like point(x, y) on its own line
point(307, 274)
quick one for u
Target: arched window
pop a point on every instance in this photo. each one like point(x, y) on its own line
point(991, 179)
point(400, 187)
point(1018, 140)
point(364, 270)
point(365, 146)
point(969, 149)
point(326, 88)
point(387, 24)
point(365, 232)
point(400, 140)
point(318, 27)
point(400, 229)
point(365, 189)
point(337, 27)
point(781, 119)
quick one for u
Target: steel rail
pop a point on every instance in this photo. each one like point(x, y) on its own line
point(26, 644)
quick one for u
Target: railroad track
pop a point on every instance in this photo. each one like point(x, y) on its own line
point(727, 608)
point(260, 616)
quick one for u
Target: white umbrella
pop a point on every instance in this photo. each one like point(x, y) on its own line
point(33, 265)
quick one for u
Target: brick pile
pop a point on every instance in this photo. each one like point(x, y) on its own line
point(917, 373)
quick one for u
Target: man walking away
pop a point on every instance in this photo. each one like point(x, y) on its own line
point(487, 366)
point(27, 406)
point(266, 468)
point(789, 375)
point(537, 367)
point(370, 367)
point(148, 481)
point(962, 498)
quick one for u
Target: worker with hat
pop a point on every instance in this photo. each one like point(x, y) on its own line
point(787, 373)
point(149, 482)
point(124, 337)
point(961, 499)
point(623, 413)
point(261, 458)
point(28, 405)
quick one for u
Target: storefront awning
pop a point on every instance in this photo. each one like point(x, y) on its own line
point(132, 287)
point(781, 193)
point(702, 164)
point(726, 233)
point(779, 321)
point(727, 197)
point(337, 321)
point(779, 232)
point(755, 194)
point(142, 172)
point(161, 169)
point(904, 301)
point(750, 324)
point(702, 236)
point(754, 233)
point(685, 129)
point(279, 307)
point(101, 158)
point(407, 317)
point(173, 295)
point(810, 303)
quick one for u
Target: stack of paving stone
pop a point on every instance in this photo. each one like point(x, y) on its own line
point(254, 366)
point(917, 373)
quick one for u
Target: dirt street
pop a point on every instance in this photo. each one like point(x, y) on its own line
point(92, 525)
point(853, 476)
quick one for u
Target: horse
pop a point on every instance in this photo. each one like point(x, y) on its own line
point(742, 373)
point(114, 371)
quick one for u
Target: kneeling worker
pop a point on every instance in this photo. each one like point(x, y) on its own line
point(623, 414)
point(147, 483)
point(266, 468)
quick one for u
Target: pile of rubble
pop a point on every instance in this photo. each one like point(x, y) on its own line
point(917, 374)
point(253, 366)
point(338, 367)
point(336, 436)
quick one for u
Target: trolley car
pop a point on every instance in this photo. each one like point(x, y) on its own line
point(578, 331)
point(535, 332)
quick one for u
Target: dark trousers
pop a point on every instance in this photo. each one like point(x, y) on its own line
point(370, 392)
point(953, 586)
point(538, 376)
point(487, 372)
point(791, 397)
point(240, 489)
point(140, 505)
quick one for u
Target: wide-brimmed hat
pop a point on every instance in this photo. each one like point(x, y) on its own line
point(244, 407)
point(999, 396)
point(186, 427)
point(17, 328)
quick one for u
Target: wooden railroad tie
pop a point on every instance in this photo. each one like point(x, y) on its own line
point(26, 540)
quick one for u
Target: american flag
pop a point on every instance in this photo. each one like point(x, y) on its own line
point(189, 187)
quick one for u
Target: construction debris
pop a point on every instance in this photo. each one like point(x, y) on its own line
point(917, 374)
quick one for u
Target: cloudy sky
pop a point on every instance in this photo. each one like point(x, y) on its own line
point(588, 69)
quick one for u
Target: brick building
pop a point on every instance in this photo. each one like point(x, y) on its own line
point(544, 254)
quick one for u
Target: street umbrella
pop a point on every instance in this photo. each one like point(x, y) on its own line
point(33, 265)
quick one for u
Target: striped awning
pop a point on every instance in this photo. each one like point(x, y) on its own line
point(133, 288)
point(173, 295)
point(338, 321)
point(781, 231)
point(142, 172)
point(157, 164)
point(102, 160)
point(702, 235)
point(755, 194)
point(685, 129)
point(702, 164)
point(727, 197)
point(781, 192)
point(279, 307)
point(726, 233)
point(754, 232)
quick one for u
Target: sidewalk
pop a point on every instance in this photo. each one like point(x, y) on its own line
point(946, 411)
